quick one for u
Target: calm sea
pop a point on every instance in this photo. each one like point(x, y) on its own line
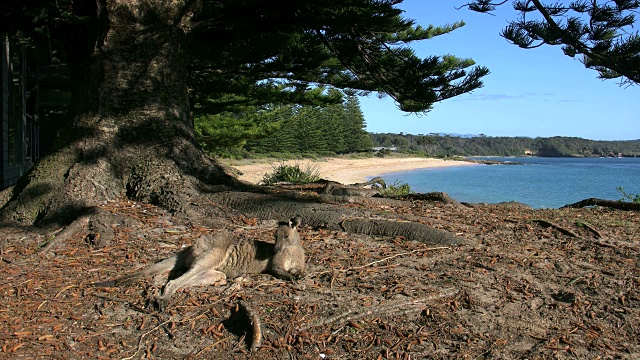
point(540, 182)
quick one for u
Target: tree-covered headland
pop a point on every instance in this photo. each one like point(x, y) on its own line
point(481, 145)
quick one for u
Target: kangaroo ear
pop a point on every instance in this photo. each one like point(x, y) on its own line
point(295, 221)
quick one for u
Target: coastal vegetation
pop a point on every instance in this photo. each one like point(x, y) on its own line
point(448, 145)
point(286, 143)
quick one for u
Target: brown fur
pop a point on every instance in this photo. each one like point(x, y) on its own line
point(214, 258)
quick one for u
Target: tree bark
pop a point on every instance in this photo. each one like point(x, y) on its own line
point(132, 135)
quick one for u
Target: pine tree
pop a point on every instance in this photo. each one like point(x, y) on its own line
point(359, 139)
point(602, 33)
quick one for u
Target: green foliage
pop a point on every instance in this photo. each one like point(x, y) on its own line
point(292, 174)
point(396, 189)
point(326, 130)
point(600, 32)
point(628, 197)
point(226, 131)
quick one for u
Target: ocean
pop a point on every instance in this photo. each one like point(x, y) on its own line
point(539, 182)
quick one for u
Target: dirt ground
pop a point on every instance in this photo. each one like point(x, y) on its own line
point(522, 290)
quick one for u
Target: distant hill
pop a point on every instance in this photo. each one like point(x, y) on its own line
point(481, 145)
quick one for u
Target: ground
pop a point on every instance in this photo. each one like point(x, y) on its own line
point(522, 289)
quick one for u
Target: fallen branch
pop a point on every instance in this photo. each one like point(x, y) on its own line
point(620, 205)
point(68, 231)
point(415, 305)
point(547, 223)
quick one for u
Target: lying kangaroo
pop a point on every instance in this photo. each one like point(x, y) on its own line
point(214, 258)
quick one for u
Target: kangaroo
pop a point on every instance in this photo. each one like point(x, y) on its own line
point(214, 258)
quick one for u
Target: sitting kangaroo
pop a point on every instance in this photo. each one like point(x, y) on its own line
point(213, 258)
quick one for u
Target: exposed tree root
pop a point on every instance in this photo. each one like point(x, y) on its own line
point(333, 199)
point(320, 215)
point(409, 230)
point(546, 223)
point(255, 325)
point(68, 231)
point(620, 205)
point(437, 196)
point(597, 233)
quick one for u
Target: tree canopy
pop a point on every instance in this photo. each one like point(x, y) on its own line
point(272, 52)
point(601, 33)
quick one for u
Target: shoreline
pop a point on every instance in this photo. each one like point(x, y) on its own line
point(348, 171)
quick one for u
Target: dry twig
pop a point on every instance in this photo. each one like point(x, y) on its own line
point(143, 336)
point(395, 256)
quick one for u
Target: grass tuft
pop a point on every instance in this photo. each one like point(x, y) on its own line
point(293, 174)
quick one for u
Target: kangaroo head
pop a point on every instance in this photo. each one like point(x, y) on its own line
point(287, 234)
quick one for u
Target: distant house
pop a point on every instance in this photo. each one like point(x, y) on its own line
point(378, 148)
point(31, 92)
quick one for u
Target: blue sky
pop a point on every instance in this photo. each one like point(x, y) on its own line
point(538, 92)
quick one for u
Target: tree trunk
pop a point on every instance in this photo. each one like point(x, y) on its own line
point(132, 135)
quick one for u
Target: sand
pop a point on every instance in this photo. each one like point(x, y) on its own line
point(349, 171)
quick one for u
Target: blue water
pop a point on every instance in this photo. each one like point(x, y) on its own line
point(540, 182)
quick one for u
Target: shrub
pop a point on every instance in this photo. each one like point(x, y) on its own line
point(396, 189)
point(292, 174)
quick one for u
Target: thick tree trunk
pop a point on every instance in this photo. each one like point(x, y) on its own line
point(132, 135)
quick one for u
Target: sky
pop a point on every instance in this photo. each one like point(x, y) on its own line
point(529, 92)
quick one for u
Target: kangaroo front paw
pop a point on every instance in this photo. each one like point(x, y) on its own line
point(295, 274)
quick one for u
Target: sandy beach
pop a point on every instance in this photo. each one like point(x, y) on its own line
point(349, 171)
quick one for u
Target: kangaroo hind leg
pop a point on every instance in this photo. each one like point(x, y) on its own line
point(193, 277)
point(157, 268)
